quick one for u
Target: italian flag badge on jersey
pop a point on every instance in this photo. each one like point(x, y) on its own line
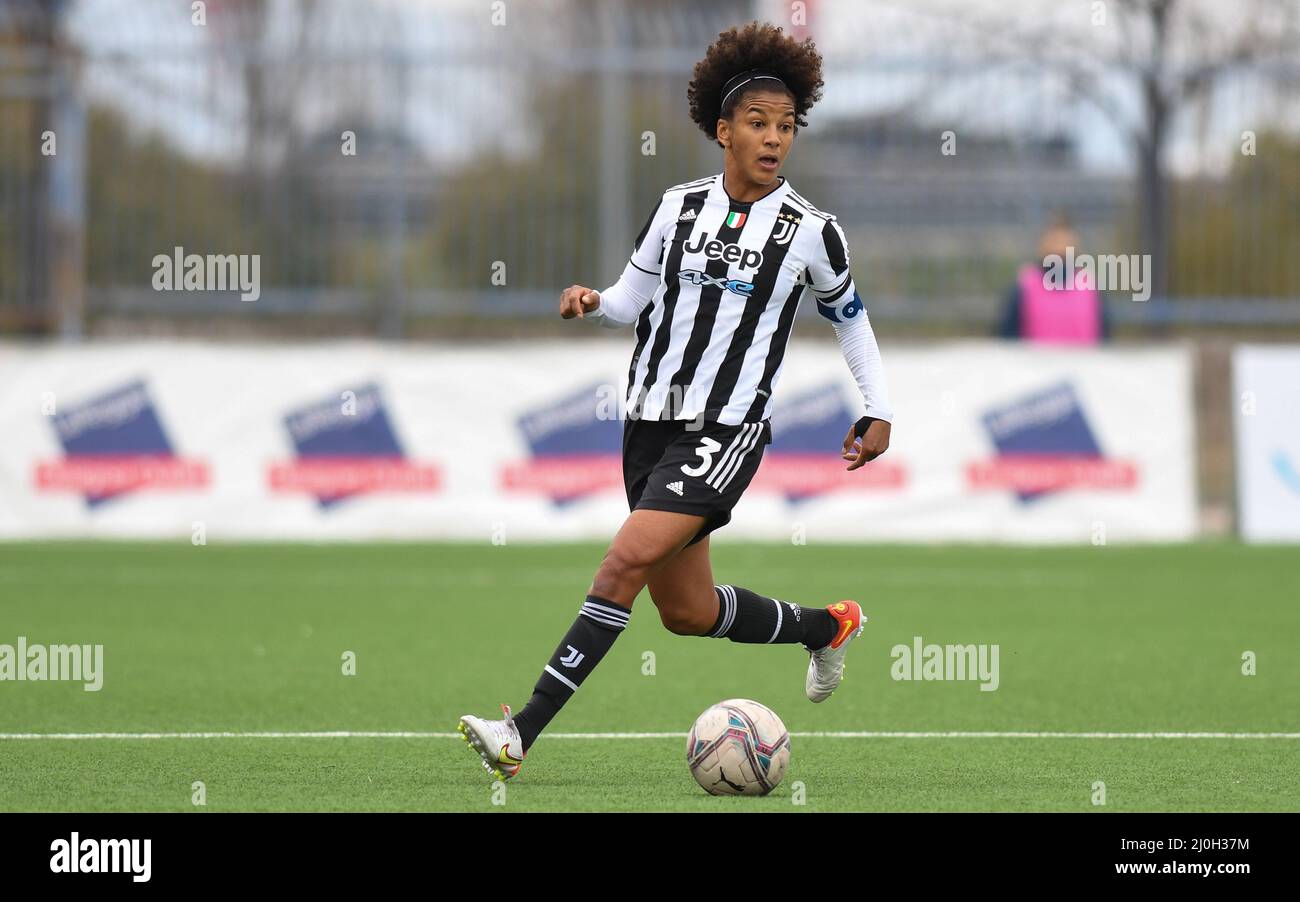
point(736, 220)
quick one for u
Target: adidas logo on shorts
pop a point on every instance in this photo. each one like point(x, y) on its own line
point(675, 487)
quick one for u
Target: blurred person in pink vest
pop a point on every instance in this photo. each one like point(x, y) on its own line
point(1073, 313)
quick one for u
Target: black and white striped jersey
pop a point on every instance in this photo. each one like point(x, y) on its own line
point(713, 285)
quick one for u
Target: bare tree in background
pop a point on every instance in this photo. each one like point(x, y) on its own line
point(1166, 54)
point(273, 83)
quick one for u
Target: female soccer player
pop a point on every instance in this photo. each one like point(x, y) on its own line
point(713, 283)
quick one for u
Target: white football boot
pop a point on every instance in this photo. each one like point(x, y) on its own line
point(826, 665)
point(497, 742)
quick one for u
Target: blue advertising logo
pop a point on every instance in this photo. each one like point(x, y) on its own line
point(113, 444)
point(1047, 426)
point(574, 450)
point(345, 446)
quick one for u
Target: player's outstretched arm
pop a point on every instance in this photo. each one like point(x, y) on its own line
point(838, 302)
point(869, 437)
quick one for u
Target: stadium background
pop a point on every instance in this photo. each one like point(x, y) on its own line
point(420, 179)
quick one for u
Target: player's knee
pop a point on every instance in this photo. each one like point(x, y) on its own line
point(684, 622)
point(676, 622)
point(621, 573)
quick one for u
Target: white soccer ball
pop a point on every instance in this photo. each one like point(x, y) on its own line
point(738, 747)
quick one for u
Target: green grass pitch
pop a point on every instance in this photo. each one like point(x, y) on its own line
point(251, 638)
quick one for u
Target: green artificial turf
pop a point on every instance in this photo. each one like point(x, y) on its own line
point(251, 638)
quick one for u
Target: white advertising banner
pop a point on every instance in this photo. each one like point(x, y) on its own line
point(505, 442)
point(1266, 401)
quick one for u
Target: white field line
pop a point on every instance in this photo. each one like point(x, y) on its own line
point(353, 734)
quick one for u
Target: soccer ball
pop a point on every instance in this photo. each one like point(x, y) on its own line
point(738, 747)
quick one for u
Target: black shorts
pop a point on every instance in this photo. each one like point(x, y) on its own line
point(691, 467)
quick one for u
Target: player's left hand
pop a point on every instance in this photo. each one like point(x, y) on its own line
point(870, 445)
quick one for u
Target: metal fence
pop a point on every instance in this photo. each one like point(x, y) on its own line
point(390, 162)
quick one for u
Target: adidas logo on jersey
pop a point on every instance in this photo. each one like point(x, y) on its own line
point(688, 216)
point(675, 488)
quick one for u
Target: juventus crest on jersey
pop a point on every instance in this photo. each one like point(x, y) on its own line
point(712, 339)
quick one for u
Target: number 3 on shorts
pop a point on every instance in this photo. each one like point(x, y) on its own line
point(708, 447)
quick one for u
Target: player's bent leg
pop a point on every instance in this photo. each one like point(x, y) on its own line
point(647, 539)
point(690, 604)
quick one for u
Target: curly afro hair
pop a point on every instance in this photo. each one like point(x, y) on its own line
point(756, 46)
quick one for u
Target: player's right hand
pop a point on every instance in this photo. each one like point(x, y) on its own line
point(577, 300)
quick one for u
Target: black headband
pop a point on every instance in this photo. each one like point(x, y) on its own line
point(744, 78)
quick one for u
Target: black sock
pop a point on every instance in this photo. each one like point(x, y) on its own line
point(745, 616)
point(598, 625)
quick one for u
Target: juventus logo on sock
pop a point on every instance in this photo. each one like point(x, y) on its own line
point(598, 625)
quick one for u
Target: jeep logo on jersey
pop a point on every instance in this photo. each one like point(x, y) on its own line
point(695, 277)
point(744, 257)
